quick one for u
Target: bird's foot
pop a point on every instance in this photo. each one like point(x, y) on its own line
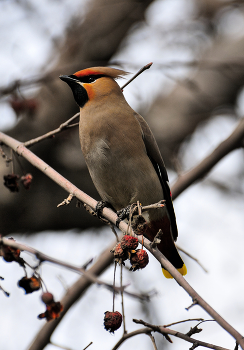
point(100, 206)
point(126, 212)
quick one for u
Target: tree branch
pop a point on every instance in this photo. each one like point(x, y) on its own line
point(92, 278)
point(234, 141)
point(164, 330)
point(62, 127)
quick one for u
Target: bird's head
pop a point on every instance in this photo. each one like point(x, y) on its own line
point(93, 83)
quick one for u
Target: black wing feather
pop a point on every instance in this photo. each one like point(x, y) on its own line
point(158, 164)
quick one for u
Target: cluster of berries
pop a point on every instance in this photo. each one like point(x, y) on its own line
point(11, 181)
point(32, 284)
point(126, 249)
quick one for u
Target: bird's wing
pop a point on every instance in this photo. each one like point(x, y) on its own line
point(158, 164)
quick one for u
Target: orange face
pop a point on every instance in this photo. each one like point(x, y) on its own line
point(90, 90)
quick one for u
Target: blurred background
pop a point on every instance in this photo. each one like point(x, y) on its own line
point(192, 97)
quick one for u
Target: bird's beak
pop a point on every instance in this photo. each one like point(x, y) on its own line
point(67, 78)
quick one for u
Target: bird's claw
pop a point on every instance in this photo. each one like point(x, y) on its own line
point(125, 213)
point(100, 206)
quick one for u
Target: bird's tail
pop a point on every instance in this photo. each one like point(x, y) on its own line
point(166, 246)
point(168, 249)
point(182, 270)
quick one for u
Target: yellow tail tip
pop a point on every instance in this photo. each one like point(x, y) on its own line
point(182, 270)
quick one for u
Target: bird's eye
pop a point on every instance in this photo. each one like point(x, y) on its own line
point(90, 79)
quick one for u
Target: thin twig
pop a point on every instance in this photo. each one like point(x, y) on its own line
point(157, 239)
point(195, 302)
point(147, 66)
point(4, 291)
point(115, 265)
point(66, 201)
point(164, 330)
point(153, 341)
point(60, 346)
point(88, 345)
point(189, 319)
point(192, 257)
point(62, 127)
point(122, 298)
point(130, 335)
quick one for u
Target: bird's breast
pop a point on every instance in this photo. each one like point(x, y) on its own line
point(117, 160)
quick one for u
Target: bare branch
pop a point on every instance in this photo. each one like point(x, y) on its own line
point(130, 335)
point(147, 66)
point(163, 330)
point(43, 257)
point(192, 257)
point(50, 134)
point(153, 341)
point(189, 319)
point(234, 141)
point(157, 239)
point(88, 345)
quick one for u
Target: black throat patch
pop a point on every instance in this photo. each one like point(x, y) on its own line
point(79, 92)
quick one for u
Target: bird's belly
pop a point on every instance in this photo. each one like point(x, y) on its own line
point(122, 179)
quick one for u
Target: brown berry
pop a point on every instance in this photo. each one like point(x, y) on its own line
point(112, 321)
point(139, 260)
point(120, 255)
point(129, 242)
point(30, 285)
point(11, 182)
point(26, 180)
point(21, 105)
point(10, 254)
point(52, 312)
point(47, 298)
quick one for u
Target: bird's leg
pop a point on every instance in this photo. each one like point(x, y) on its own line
point(125, 213)
point(99, 208)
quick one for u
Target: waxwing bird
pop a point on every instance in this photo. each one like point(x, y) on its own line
point(122, 155)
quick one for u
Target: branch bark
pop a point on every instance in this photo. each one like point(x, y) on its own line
point(164, 330)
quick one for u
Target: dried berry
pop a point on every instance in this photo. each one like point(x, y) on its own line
point(30, 285)
point(21, 105)
point(11, 182)
point(26, 180)
point(10, 254)
point(112, 321)
point(139, 260)
point(47, 298)
point(129, 242)
point(120, 255)
point(53, 309)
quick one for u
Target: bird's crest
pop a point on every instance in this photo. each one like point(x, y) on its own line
point(104, 71)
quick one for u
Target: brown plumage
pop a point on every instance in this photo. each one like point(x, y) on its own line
point(122, 155)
